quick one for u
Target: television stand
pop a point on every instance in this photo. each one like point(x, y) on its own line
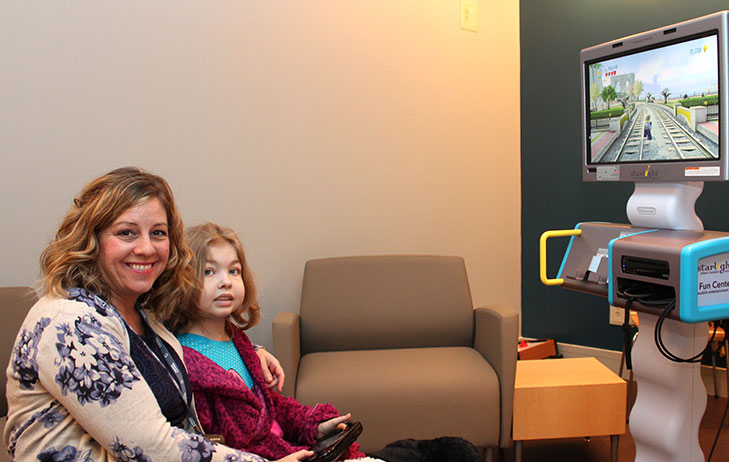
point(671, 398)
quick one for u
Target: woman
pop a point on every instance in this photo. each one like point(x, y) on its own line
point(94, 375)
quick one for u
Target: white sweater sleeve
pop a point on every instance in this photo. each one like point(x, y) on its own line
point(76, 394)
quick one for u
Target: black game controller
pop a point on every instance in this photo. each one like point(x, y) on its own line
point(329, 448)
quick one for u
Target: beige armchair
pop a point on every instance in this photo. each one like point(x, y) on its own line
point(395, 340)
point(14, 305)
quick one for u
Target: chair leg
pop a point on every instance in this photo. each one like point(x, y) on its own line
point(614, 443)
point(518, 447)
point(488, 455)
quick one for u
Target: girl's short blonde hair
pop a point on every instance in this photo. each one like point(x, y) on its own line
point(199, 238)
point(70, 260)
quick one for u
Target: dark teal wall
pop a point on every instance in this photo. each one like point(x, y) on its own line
point(553, 195)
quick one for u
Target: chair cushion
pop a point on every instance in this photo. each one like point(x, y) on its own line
point(410, 301)
point(4, 456)
point(14, 305)
point(419, 393)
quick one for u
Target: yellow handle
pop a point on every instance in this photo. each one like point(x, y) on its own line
point(543, 254)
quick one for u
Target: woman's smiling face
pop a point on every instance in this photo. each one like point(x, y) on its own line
point(134, 251)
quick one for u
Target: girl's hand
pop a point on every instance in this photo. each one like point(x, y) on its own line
point(329, 426)
point(273, 373)
point(297, 456)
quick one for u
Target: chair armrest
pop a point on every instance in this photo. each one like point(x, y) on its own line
point(287, 348)
point(495, 337)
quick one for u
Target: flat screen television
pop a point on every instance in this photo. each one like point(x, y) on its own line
point(655, 105)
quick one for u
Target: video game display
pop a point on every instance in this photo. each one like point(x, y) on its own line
point(655, 105)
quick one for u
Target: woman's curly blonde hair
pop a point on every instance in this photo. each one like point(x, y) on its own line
point(199, 238)
point(70, 260)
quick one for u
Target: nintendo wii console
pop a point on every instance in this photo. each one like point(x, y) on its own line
point(651, 267)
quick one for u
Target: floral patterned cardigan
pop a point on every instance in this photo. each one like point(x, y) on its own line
point(75, 395)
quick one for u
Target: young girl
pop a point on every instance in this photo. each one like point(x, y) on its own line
point(231, 395)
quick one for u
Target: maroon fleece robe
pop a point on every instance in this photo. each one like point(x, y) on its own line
point(245, 417)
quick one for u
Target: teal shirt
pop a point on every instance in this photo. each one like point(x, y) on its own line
point(224, 354)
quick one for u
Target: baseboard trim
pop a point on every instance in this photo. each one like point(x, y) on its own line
point(611, 359)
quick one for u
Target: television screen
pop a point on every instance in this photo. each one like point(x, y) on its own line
point(654, 105)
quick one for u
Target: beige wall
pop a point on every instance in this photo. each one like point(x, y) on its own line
point(314, 128)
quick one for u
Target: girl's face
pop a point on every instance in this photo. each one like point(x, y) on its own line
point(223, 289)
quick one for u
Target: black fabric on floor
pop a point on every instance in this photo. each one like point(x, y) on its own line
point(444, 449)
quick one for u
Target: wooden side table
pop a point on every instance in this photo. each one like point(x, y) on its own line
point(567, 398)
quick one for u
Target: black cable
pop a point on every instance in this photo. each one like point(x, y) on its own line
point(656, 297)
point(627, 340)
point(645, 296)
point(722, 323)
point(657, 336)
point(695, 359)
point(718, 430)
point(632, 292)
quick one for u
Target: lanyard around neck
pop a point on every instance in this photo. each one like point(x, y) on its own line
point(178, 380)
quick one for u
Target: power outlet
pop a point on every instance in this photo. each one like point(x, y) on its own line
point(617, 316)
point(469, 15)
